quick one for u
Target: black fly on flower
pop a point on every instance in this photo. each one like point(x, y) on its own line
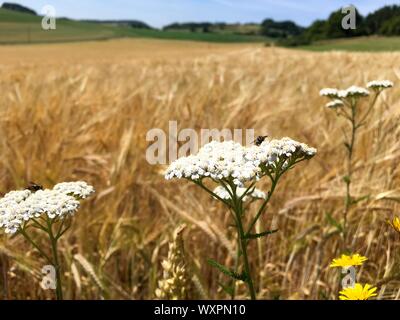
point(259, 140)
point(32, 186)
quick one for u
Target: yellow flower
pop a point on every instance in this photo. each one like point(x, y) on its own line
point(358, 292)
point(347, 261)
point(395, 224)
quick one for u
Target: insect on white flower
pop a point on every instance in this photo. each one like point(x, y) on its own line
point(18, 207)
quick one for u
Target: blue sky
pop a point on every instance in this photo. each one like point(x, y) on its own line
point(161, 12)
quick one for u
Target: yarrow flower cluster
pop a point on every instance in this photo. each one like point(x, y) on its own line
point(270, 153)
point(380, 84)
point(329, 92)
point(346, 104)
point(231, 166)
point(395, 224)
point(18, 207)
point(335, 104)
point(224, 194)
point(351, 92)
point(78, 189)
point(230, 160)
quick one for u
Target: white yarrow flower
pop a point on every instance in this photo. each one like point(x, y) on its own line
point(230, 165)
point(79, 189)
point(335, 104)
point(354, 92)
point(229, 160)
point(380, 84)
point(18, 207)
point(329, 92)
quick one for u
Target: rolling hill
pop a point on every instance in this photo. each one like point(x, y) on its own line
point(18, 28)
point(362, 44)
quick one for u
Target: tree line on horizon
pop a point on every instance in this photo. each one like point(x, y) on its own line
point(384, 21)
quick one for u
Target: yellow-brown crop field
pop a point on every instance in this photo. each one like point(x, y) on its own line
point(81, 111)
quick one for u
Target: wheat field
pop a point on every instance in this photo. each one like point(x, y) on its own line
point(81, 112)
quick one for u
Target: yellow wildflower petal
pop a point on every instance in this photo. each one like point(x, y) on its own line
point(395, 224)
point(358, 292)
point(346, 261)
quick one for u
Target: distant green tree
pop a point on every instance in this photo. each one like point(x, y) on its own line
point(374, 21)
point(18, 7)
point(334, 27)
point(327, 29)
point(385, 21)
point(138, 25)
point(190, 26)
point(391, 27)
point(281, 29)
point(297, 41)
point(220, 25)
point(317, 31)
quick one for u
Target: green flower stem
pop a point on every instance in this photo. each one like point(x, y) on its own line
point(56, 264)
point(53, 260)
point(233, 211)
point(200, 184)
point(61, 231)
point(350, 145)
point(235, 206)
point(370, 108)
point(233, 283)
point(243, 245)
point(350, 151)
point(38, 225)
point(274, 182)
point(35, 245)
point(262, 208)
point(249, 190)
